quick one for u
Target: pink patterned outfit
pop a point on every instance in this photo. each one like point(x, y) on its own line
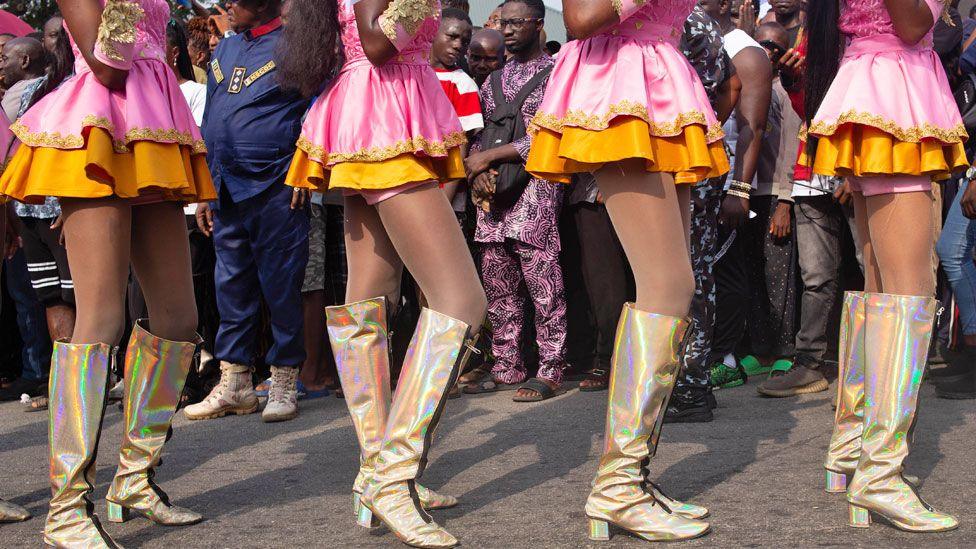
point(84, 140)
point(631, 73)
point(890, 89)
point(380, 129)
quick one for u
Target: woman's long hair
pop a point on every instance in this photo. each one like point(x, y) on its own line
point(176, 37)
point(309, 51)
point(60, 63)
point(824, 50)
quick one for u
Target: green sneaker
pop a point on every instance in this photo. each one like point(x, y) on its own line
point(752, 367)
point(725, 377)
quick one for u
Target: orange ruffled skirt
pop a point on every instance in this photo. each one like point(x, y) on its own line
point(860, 150)
point(390, 173)
point(688, 156)
point(169, 171)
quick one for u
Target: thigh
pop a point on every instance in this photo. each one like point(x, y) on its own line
point(650, 215)
point(161, 261)
point(374, 268)
point(422, 227)
point(97, 235)
point(869, 262)
point(900, 226)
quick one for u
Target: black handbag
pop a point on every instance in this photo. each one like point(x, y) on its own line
point(504, 126)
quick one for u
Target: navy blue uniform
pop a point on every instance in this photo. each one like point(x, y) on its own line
point(250, 126)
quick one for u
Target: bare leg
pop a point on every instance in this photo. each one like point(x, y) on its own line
point(422, 227)
point(901, 228)
point(60, 320)
point(651, 217)
point(374, 266)
point(97, 235)
point(872, 275)
point(161, 260)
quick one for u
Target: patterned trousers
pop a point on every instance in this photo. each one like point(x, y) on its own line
point(706, 200)
point(510, 271)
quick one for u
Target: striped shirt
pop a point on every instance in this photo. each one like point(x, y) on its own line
point(462, 92)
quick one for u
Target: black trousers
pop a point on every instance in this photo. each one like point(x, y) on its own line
point(606, 274)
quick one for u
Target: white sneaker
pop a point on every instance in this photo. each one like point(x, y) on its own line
point(282, 395)
point(233, 395)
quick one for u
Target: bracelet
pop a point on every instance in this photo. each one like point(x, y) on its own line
point(740, 186)
point(738, 193)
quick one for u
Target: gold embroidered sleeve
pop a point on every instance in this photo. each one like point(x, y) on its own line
point(403, 18)
point(117, 32)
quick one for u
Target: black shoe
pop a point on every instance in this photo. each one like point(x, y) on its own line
point(693, 406)
point(961, 362)
point(22, 386)
point(957, 387)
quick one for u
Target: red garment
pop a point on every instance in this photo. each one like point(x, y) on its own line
point(797, 96)
point(462, 92)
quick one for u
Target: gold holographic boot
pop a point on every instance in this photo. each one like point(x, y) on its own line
point(360, 344)
point(11, 512)
point(435, 357)
point(643, 371)
point(78, 389)
point(897, 333)
point(845, 443)
point(155, 372)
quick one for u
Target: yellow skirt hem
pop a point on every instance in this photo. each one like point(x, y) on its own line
point(307, 173)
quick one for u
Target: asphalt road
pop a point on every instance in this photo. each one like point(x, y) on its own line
point(522, 472)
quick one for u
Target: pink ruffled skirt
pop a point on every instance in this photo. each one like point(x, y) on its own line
point(379, 128)
point(621, 95)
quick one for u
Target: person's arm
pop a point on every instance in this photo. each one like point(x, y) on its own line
point(106, 38)
point(755, 72)
point(727, 97)
point(388, 26)
point(585, 18)
point(912, 19)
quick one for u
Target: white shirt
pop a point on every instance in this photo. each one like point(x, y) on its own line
point(196, 96)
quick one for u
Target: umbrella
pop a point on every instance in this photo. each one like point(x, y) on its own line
point(11, 24)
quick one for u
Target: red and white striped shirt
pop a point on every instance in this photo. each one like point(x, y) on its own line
point(462, 91)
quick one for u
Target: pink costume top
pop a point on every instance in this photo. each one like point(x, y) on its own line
point(632, 69)
point(372, 114)
point(888, 84)
point(132, 36)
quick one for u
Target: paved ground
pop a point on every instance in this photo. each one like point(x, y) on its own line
point(521, 471)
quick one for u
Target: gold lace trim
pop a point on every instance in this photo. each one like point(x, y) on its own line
point(56, 140)
point(409, 14)
point(912, 134)
point(118, 26)
point(587, 121)
point(379, 154)
point(618, 5)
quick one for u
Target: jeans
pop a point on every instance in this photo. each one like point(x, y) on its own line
point(820, 223)
point(955, 249)
point(31, 319)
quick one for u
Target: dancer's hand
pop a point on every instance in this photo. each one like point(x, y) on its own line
point(298, 198)
point(56, 226)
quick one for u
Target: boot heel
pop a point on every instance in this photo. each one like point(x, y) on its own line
point(836, 483)
point(365, 517)
point(860, 517)
point(117, 513)
point(599, 530)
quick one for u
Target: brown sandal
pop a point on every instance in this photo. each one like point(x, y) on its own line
point(596, 380)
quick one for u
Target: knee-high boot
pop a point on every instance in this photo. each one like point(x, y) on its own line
point(78, 389)
point(360, 343)
point(897, 333)
point(437, 353)
point(155, 372)
point(845, 442)
point(644, 368)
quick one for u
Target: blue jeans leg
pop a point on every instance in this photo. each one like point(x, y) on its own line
point(31, 319)
point(955, 249)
